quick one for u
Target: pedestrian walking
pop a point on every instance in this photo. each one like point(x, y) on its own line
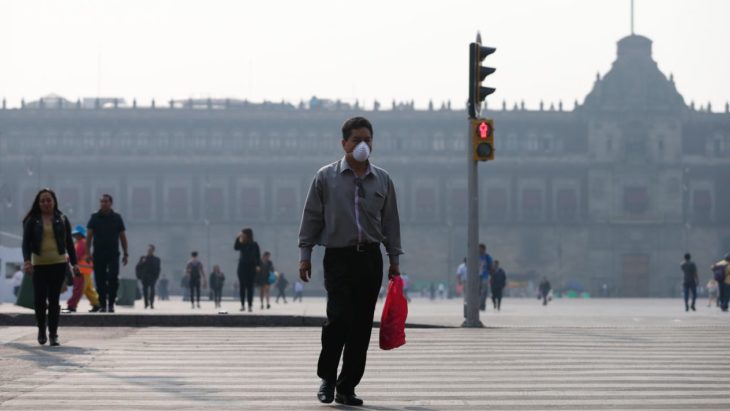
point(83, 284)
point(47, 251)
point(281, 284)
point(350, 209)
point(406, 285)
point(712, 293)
point(691, 279)
point(460, 286)
point(106, 231)
point(264, 277)
point(545, 289)
point(721, 273)
point(298, 290)
point(249, 263)
point(441, 291)
point(163, 288)
point(148, 271)
point(497, 282)
point(196, 277)
point(217, 279)
point(17, 280)
point(485, 269)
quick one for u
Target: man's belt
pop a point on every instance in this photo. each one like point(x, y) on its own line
point(359, 248)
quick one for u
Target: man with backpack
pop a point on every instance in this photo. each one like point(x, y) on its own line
point(196, 274)
point(721, 273)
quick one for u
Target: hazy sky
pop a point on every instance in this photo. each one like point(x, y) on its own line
point(364, 50)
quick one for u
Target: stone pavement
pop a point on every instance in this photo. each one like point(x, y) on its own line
point(668, 360)
point(516, 312)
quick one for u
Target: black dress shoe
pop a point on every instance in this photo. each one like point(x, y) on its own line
point(347, 399)
point(42, 339)
point(94, 309)
point(54, 340)
point(326, 393)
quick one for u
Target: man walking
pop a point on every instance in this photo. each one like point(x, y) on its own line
point(691, 279)
point(148, 269)
point(485, 268)
point(722, 271)
point(498, 282)
point(350, 210)
point(105, 232)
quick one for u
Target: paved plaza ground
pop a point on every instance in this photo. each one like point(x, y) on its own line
point(572, 355)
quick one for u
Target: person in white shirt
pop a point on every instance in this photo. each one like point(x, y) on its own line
point(17, 280)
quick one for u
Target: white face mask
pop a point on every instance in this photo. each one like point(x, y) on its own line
point(361, 152)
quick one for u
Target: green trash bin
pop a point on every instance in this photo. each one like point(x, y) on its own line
point(25, 294)
point(127, 291)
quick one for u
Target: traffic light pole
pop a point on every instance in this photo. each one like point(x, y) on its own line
point(472, 256)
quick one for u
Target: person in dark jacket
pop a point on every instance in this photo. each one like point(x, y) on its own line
point(263, 278)
point(47, 250)
point(545, 288)
point(148, 271)
point(691, 279)
point(497, 281)
point(281, 284)
point(249, 262)
point(217, 279)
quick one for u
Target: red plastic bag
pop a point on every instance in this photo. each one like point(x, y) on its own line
point(393, 320)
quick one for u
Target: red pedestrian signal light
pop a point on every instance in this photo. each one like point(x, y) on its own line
point(482, 139)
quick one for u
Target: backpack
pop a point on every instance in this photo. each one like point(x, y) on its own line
point(718, 271)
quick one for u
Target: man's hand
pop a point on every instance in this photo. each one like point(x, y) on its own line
point(125, 259)
point(28, 267)
point(76, 270)
point(305, 270)
point(393, 271)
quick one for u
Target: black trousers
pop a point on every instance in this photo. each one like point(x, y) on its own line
point(195, 291)
point(246, 278)
point(352, 280)
point(47, 283)
point(690, 288)
point(148, 290)
point(724, 295)
point(497, 297)
point(217, 294)
point(280, 293)
point(106, 276)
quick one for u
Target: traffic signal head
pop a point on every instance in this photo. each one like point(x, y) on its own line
point(482, 139)
point(477, 74)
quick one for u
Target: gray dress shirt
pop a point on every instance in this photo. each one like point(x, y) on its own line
point(342, 210)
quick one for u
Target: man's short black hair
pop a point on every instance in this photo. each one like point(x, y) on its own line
point(687, 256)
point(355, 123)
point(194, 254)
point(108, 197)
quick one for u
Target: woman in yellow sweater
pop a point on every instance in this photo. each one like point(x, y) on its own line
point(47, 251)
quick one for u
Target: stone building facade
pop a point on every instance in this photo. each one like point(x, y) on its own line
point(611, 192)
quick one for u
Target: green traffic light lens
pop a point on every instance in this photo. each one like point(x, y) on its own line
point(484, 150)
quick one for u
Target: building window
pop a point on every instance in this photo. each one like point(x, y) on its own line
point(286, 206)
point(141, 203)
point(496, 204)
point(566, 204)
point(177, 203)
point(636, 200)
point(701, 206)
point(214, 204)
point(251, 203)
point(425, 204)
point(458, 203)
point(532, 204)
point(69, 201)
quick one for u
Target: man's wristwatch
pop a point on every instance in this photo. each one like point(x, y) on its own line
point(126, 255)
